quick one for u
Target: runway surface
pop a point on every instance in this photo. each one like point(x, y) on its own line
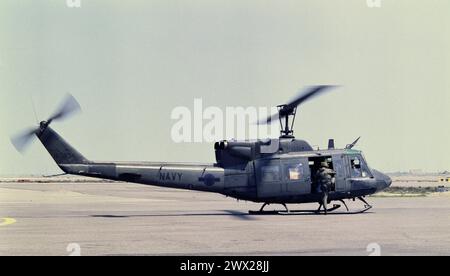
point(129, 219)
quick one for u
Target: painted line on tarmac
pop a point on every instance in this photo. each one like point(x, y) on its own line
point(7, 221)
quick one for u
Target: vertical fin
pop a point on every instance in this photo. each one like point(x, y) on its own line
point(59, 149)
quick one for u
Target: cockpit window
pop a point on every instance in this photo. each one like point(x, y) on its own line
point(355, 167)
point(365, 172)
point(358, 167)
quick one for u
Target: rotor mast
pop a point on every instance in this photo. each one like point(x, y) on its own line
point(287, 112)
point(287, 119)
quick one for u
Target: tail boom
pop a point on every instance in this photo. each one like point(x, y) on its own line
point(202, 177)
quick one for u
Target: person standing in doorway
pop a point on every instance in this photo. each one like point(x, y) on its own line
point(325, 178)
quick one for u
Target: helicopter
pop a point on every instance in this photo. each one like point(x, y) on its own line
point(267, 171)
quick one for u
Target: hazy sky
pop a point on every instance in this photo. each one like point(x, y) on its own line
point(129, 63)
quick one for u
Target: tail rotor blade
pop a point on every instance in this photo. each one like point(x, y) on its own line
point(21, 141)
point(69, 107)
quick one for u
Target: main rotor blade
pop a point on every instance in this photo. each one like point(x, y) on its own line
point(308, 94)
point(69, 107)
point(270, 119)
point(21, 141)
point(303, 97)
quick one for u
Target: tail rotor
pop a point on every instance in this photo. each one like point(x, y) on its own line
point(68, 107)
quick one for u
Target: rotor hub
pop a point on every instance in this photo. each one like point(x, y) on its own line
point(43, 125)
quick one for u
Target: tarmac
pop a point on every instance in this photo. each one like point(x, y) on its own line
point(101, 218)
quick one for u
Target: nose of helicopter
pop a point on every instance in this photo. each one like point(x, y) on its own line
point(383, 181)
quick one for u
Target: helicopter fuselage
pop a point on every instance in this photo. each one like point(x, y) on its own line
point(283, 170)
point(245, 171)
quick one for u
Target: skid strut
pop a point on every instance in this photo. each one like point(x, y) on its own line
point(367, 206)
point(274, 212)
point(345, 204)
point(266, 204)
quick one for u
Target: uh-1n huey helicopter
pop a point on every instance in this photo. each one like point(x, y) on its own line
point(273, 171)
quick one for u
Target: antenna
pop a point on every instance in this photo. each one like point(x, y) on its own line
point(34, 109)
point(352, 145)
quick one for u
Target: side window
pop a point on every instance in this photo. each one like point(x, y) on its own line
point(294, 171)
point(358, 167)
point(270, 173)
point(355, 166)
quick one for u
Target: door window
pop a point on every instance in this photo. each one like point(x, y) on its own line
point(294, 172)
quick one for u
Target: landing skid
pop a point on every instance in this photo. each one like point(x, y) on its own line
point(329, 211)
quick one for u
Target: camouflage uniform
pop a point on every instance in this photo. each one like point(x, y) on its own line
point(325, 180)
